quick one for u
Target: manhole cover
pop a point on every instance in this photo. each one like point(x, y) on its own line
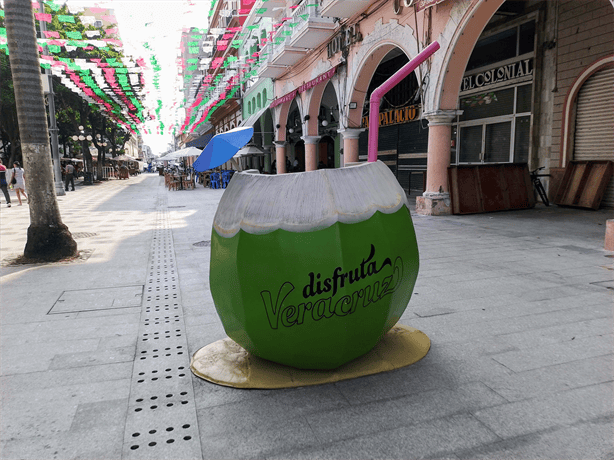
point(203, 244)
point(98, 299)
point(83, 235)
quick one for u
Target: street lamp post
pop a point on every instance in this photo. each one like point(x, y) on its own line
point(85, 139)
point(53, 128)
point(100, 142)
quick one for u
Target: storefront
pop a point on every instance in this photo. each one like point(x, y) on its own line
point(403, 145)
point(496, 99)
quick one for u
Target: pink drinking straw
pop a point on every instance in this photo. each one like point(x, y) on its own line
point(376, 96)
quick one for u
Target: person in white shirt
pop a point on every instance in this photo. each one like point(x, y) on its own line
point(20, 185)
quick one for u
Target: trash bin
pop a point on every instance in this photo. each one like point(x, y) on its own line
point(88, 178)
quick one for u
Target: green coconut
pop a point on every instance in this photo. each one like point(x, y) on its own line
point(310, 270)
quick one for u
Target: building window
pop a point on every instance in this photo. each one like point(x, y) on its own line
point(507, 44)
point(259, 101)
point(264, 99)
point(496, 99)
point(494, 127)
point(249, 108)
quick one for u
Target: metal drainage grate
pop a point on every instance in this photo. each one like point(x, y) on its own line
point(161, 420)
point(203, 244)
point(172, 207)
point(83, 235)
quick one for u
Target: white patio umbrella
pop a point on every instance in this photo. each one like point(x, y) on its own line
point(187, 152)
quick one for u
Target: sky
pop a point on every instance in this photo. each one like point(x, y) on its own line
point(157, 23)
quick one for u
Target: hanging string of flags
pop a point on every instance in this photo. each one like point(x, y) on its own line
point(113, 84)
point(215, 91)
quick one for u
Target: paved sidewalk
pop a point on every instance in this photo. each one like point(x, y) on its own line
point(518, 306)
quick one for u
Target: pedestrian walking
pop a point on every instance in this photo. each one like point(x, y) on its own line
point(69, 170)
point(4, 184)
point(18, 181)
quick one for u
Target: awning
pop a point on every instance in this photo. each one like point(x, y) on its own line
point(201, 142)
point(252, 119)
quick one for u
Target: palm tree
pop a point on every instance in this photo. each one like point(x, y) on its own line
point(48, 238)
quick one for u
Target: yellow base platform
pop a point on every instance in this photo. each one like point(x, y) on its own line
point(226, 363)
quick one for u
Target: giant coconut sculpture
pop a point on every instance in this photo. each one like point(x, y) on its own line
point(311, 269)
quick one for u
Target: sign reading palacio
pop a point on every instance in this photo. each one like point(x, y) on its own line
point(503, 73)
point(395, 116)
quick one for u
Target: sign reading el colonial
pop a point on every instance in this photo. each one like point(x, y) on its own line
point(504, 73)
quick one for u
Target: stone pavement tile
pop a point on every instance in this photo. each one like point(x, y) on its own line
point(202, 335)
point(556, 410)
point(128, 314)
point(207, 394)
point(585, 440)
point(258, 443)
point(559, 333)
point(268, 412)
point(432, 439)
point(551, 293)
point(467, 331)
point(470, 308)
point(437, 371)
point(37, 356)
point(51, 411)
point(18, 383)
point(119, 341)
point(196, 297)
point(97, 433)
point(44, 419)
point(365, 419)
point(201, 320)
point(42, 325)
point(68, 333)
point(549, 355)
point(95, 358)
point(552, 379)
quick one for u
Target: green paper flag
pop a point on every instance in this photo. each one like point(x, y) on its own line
point(74, 35)
point(53, 6)
point(66, 18)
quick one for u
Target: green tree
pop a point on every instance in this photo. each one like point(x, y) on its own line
point(48, 238)
point(9, 127)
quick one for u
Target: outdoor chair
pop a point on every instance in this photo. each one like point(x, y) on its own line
point(226, 176)
point(174, 183)
point(215, 180)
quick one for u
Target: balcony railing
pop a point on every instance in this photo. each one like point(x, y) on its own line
point(343, 8)
point(313, 29)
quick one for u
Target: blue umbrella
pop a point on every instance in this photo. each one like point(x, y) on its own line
point(222, 148)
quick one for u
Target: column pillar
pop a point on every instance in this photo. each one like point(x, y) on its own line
point(311, 152)
point(350, 144)
point(435, 201)
point(280, 156)
point(267, 157)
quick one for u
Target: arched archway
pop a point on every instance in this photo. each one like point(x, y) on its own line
point(443, 95)
point(569, 105)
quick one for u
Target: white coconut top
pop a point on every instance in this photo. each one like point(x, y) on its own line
point(308, 201)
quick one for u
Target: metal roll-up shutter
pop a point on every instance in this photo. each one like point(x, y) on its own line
point(594, 134)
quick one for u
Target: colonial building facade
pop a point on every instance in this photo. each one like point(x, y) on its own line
point(519, 82)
